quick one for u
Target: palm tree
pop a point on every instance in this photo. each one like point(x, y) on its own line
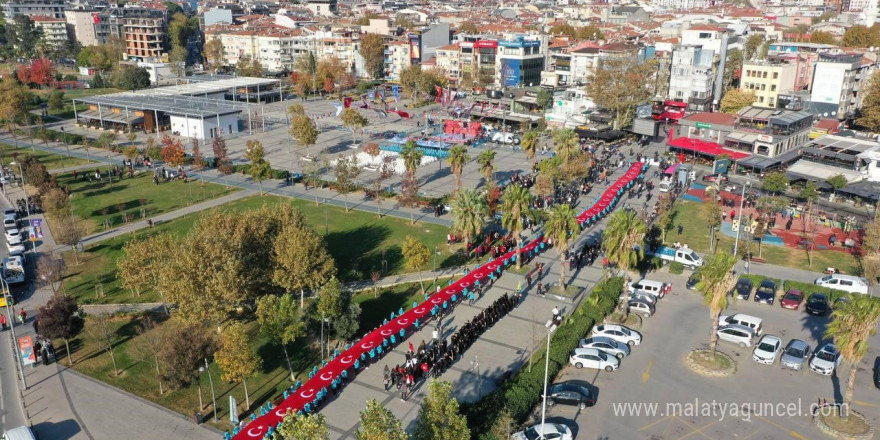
point(412, 156)
point(469, 209)
point(716, 281)
point(485, 160)
point(566, 143)
point(457, 158)
point(515, 205)
point(530, 143)
point(851, 326)
point(623, 233)
point(560, 226)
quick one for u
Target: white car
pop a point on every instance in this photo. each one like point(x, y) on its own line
point(767, 350)
point(12, 234)
point(593, 358)
point(737, 334)
point(606, 344)
point(619, 333)
point(825, 359)
point(547, 431)
point(15, 246)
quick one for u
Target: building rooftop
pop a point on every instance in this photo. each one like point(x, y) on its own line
point(712, 118)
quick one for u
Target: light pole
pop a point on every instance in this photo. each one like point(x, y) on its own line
point(213, 395)
point(15, 350)
point(546, 370)
point(741, 200)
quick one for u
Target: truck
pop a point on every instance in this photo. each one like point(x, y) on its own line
point(683, 255)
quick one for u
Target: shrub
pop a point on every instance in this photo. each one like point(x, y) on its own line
point(756, 280)
point(809, 288)
point(676, 268)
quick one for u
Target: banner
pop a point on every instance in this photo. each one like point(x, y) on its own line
point(439, 91)
point(233, 410)
point(36, 229)
point(26, 346)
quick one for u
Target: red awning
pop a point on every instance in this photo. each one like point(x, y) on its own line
point(705, 147)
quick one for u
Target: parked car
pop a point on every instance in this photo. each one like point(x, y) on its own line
point(641, 308)
point(847, 283)
point(792, 299)
point(10, 221)
point(877, 372)
point(752, 322)
point(766, 292)
point(547, 431)
point(825, 359)
point(644, 297)
point(692, 281)
point(615, 348)
point(743, 288)
point(20, 433)
point(618, 333)
point(15, 246)
point(593, 358)
point(13, 234)
point(736, 334)
point(767, 350)
point(571, 392)
point(10, 211)
point(715, 178)
point(817, 304)
point(795, 354)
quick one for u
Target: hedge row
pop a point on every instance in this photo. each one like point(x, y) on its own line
point(756, 280)
point(276, 173)
point(809, 288)
point(522, 392)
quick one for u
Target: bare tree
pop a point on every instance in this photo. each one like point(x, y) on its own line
point(50, 270)
point(103, 330)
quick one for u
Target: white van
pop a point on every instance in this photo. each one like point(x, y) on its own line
point(752, 322)
point(657, 289)
point(20, 433)
point(665, 185)
point(847, 283)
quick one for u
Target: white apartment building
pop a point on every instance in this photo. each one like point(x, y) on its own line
point(681, 4)
point(275, 49)
point(449, 59)
point(705, 36)
point(54, 29)
point(81, 26)
point(838, 80)
point(692, 76)
point(398, 56)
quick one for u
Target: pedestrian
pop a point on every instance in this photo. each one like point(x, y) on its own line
point(3, 321)
point(22, 316)
point(435, 336)
point(386, 377)
point(680, 228)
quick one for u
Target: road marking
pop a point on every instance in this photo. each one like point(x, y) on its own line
point(653, 423)
point(751, 435)
point(647, 373)
point(794, 434)
point(695, 430)
point(868, 404)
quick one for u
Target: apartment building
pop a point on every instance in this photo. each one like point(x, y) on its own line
point(449, 59)
point(81, 25)
point(275, 48)
point(520, 61)
point(767, 79)
point(692, 76)
point(144, 33)
point(398, 56)
point(838, 79)
point(682, 4)
point(478, 62)
point(49, 8)
point(54, 30)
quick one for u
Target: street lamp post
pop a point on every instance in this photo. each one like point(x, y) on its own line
point(741, 200)
point(546, 370)
point(15, 352)
point(213, 395)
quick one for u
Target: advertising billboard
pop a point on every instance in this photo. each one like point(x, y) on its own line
point(26, 346)
point(827, 81)
point(486, 44)
point(415, 46)
point(510, 70)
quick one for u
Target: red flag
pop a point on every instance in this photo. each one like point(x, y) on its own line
point(439, 91)
point(680, 157)
point(95, 18)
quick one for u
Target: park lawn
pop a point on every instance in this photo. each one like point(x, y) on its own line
point(692, 216)
point(95, 203)
point(139, 377)
point(51, 161)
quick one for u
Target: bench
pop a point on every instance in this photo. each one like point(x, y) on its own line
point(758, 260)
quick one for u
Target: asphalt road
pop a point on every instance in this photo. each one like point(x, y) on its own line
point(11, 414)
point(758, 402)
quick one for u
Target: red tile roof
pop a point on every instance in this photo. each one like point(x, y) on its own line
point(712, 118)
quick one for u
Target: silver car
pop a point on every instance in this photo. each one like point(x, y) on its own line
point(795, 354)
point(606, 344)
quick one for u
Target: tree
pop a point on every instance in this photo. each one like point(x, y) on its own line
point(379, 423)
point(516, 209)
point(439, 417)
point(56, 100)
point(221, 154)
point(852, 325)
point(151, 340)
point(61, 318)
point(620, 85)
point(486, 160)
point(411, 155)
point(566, 144)
point(235, 357)
point(408, 196)
point(411, 80)
point(543, 99)
point(23, 36)
point(775, 182)
point(561, 226)
point(837, 182)
point(415, 256)
point(458, 157)
point(179, 29)
point(735, 100)
point(469, 211)
point(529, 143)
point(857, 36)
point(280, 321)
point(198, 159)
point(385, 172)
point(134, 78)
point(373, 51)
point(177, 59)
point(330, 299)
point(260, 169)
point(732, 66)
point(870, 112)
point(352, 119)
point(15, 100)
point(826, 16)
point(505, 425)
point(304, 427)
point(184, 349)
point(564, 29)
point(809, 191)
point(172, 151)
point(821, 37)
point(68, 233)
point(346, 171)
point(871, 239)
point(304, 130)
point(468, 27)
point(590, 32)
point(49, 270)
point(666, 214)
point(716, 281)
point(751, 46)
point(214, 52)
point(249, 67)
point(56, 203)
point(714, 217)
point(623, 233)
point(103, 330)
point(302, 260)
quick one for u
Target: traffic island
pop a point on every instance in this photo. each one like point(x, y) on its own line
point(632, 320)
point(853, 427)
point(702, 362)
point(569, 294)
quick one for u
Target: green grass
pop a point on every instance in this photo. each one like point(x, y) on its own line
point(97, 202)
point(139, 377)
point(693, 217)
point(84, 93)
point(356, 240)
point(51, 161)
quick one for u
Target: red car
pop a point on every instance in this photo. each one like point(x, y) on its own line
point(792, 299)
point(715, 178)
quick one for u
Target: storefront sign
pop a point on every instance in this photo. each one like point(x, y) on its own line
point(703, 125)
point(765, 138)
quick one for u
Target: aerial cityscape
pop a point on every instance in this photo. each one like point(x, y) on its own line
point(392, 220)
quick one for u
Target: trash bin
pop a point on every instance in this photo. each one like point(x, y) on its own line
point(198, 417)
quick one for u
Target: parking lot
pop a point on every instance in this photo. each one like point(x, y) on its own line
point(655, 396)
